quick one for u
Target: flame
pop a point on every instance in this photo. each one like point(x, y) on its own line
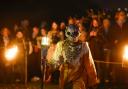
point(11, 53)
point(125, 56)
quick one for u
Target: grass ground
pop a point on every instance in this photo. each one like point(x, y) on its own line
point(28, 86)
point(53, 86)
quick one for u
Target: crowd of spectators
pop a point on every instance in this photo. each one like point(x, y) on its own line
point(106, 33)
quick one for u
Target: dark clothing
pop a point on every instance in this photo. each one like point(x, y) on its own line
point(5, 42)
point(119, 40)
point(119, 36)
point(34, 65)
point(20, 60)
point(63, 32)
point(105, 37)
point(34, 62)
point(26, 32)
point(104, 69)
point(96, 45)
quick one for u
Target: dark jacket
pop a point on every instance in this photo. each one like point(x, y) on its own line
point(105, 38)
point(95, 44)
point(119, 37)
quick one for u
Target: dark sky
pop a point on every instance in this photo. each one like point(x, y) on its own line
point(12, 11)
point(112, 3)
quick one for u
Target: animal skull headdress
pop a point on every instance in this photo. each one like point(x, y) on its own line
point(72, 32)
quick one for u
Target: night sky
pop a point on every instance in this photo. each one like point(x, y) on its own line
point(11, 11)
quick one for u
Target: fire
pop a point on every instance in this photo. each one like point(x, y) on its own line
point(11, 53)
point(125, 56)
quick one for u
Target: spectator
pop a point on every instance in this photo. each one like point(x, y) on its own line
point(119, 31)
point(71, 21)
point(105, 37)
point(43, 32)
point(25, 26)
point(35, 57)
point(93, 39)
point(54, 31)
point(95, 45)
point(83, 33)
point(5, 42)
point(6, 37)
point(62, 30)
point(23, 47)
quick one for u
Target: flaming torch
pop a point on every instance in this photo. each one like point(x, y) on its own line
point(125, 57)
point(11, 53)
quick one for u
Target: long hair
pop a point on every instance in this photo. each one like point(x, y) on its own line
point(98, 21)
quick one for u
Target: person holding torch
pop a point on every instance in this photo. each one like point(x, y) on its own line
point(20, 64)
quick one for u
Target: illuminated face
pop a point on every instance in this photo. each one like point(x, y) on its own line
point(95, 23)
point(62, 25)
point(81, 27)
point(35, 30)
point(19, 35)
point(71, 21)
point(5, 32)
point(72, 33)
point(54, 25)
point(121, 16)
point(106, 23)
point(43, 32)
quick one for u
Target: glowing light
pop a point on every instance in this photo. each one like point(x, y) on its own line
point(11, 53)
point(125, 56)
point(119, 9)
point(45, 41)
point(126, 9)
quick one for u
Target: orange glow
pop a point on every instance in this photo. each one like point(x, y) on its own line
point(125, 56)
point(11, 53)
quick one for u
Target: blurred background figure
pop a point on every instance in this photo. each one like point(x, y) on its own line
point(96, 44)
point(93, 39)
point(71, 21)
point(83, 32)
point(105, 37)
point(54, 31)
point(5, 43)
point(43, 32)
point(119, 31)
point(5, 37)
point(62, 30)
point(23, 46)
point(35, 57)
point(25, 26)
